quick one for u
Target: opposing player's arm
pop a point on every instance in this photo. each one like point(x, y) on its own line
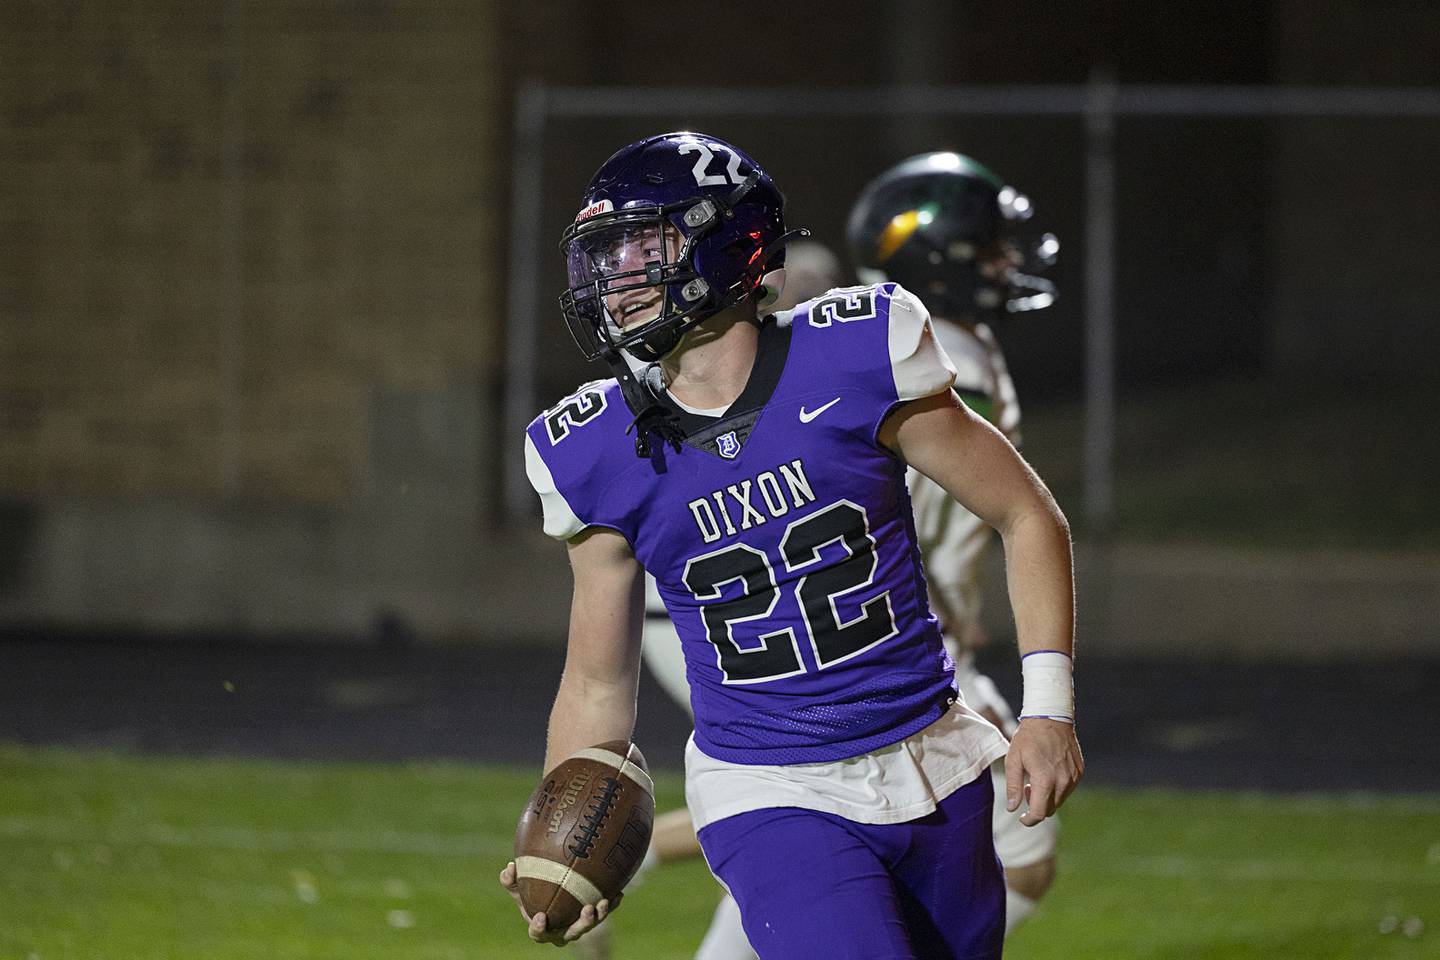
point(596, 699)
point(977, 466)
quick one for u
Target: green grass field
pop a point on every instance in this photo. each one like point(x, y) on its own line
point(105, 856)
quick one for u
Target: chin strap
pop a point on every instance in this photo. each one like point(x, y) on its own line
point(658, 421)
point(651, 417)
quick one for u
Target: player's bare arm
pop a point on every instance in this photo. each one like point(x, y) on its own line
point(977, 466)
point(596, 700)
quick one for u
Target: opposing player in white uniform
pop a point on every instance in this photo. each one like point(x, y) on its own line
point(943, 226)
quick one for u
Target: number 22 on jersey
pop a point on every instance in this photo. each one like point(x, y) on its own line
point(819, 588)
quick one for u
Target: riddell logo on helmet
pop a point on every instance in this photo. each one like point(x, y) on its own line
point(596, 208)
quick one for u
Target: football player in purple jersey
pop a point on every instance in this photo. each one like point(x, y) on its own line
point(950, 230)
point(755, 463)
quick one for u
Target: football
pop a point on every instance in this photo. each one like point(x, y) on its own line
point(584, 832)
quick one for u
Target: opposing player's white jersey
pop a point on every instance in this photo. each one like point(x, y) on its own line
point(953, 540)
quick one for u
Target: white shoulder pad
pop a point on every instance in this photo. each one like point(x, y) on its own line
point(560, 521)
point(968, 355)
point(919, 365)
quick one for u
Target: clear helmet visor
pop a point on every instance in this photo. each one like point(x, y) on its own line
point(624, 270)
point(621, 270)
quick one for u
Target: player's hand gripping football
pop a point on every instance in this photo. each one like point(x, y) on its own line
point(1042, 768)
point(590, 917)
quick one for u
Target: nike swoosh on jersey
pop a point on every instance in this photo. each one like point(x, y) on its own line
point(807, 415)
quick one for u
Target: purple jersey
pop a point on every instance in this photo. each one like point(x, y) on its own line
point(780, 535)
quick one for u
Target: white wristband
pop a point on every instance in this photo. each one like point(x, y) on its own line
point(1049, 686)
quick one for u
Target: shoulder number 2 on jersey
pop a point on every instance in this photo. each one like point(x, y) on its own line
point(845, 307)
point(572, 412)
point(818, 589)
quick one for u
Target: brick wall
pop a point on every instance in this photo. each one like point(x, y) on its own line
point(225, 227)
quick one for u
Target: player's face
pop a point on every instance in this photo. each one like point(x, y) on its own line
point(998, 261)
point(636, 249)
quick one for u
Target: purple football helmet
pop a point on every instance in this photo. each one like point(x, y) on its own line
point(673, 229)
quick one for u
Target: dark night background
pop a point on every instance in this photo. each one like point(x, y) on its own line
point(255, 294)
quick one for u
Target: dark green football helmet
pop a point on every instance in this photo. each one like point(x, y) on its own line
point(928, 223)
